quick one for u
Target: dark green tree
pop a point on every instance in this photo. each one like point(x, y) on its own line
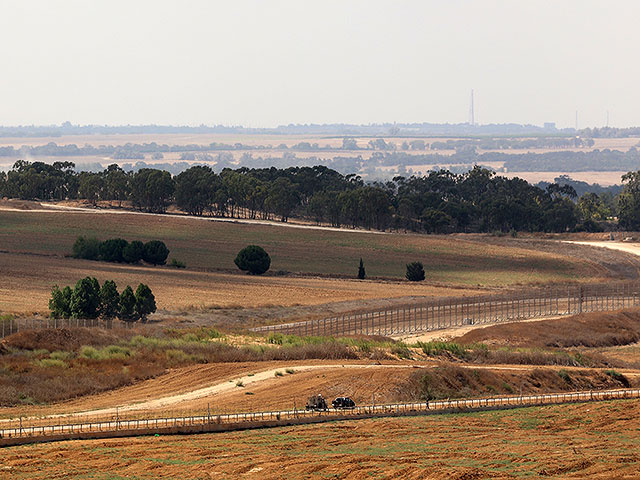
point(361, 272)
point(415, 272)
point(127, 311)
point(133, 252)
point(112, 250)
point(152, 190)
point(629, 202)
point(85, 299)
point(109, 300)
point(145, 302)
point(195, 189)
point(60, 302)
point(116, 183)
point(86, 248)
point(155, 252)
point(90, 186)
point(253, 259)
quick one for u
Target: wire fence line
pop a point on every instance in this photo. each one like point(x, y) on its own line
point(415, 317)
point(40, 430)
point(9, 326)
point(455, 312)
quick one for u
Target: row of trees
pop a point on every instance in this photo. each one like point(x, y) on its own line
point(119, 250)
point(439, 202)
point(87, 299)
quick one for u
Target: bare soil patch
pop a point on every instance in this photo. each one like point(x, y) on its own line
point(596, 329)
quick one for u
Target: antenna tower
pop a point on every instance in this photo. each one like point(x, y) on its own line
point(472, 120)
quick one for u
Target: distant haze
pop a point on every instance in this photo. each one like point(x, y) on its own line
point(265, 63)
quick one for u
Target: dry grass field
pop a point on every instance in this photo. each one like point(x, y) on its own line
point(207, 244)
point(25, 286)
point(584, 441)
point(309, 266)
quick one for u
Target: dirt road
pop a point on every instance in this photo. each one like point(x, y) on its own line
point(633, 248)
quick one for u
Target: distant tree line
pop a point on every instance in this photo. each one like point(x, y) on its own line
point(154, 252)
point(126, 151)
point(440, 202)
point(610, 132)
point(514, 143)
point(88, 300)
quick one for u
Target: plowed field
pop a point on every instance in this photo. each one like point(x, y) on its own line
point(585, 441)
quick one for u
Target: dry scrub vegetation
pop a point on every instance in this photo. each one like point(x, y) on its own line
point(53, 365)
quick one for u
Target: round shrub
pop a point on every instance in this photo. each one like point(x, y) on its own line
point(86, 248)
point(112, 250)
point(253, 259)
point(155, 252)
point(415, 272)
point(133, 252)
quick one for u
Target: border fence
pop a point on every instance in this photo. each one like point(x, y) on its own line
point(455, 312)
point(424, 316)
point(9, 326)
point(19, 431)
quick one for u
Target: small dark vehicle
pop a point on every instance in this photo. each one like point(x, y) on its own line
point(343, 402)
point(317, 402)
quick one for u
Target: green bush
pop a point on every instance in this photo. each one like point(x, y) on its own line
point(437, 348)
point(133, 252)
point(253, 259)
point(86, 248)
point(112, 250)
point(155, 252)
point(177, 263)
point(415, 272)
point(51, 363)
point(61, 355)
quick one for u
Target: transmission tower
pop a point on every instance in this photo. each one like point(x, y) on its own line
point(472, 120)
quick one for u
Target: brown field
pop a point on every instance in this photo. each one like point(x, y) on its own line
point(208, 244)
point(26, 284)
point(583, 441)
point(33, 246)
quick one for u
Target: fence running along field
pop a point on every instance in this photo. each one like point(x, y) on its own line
point(16, 431)
point(9, 326)
point(419, 316)
point(456, 312)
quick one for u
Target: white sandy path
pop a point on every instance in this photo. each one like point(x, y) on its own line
point(633, 248)
point(53, 208)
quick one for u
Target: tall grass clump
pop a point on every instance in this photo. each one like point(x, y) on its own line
point(433, 349)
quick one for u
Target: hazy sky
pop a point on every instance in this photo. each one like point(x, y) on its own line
point(264, 63)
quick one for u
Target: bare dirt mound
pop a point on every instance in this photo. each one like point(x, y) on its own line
point(454, 381)
point(68, 339)
point(594, 329)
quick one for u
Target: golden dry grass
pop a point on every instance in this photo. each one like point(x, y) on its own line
point(27, 281)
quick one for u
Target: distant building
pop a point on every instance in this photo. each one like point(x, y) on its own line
point(549, 125)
